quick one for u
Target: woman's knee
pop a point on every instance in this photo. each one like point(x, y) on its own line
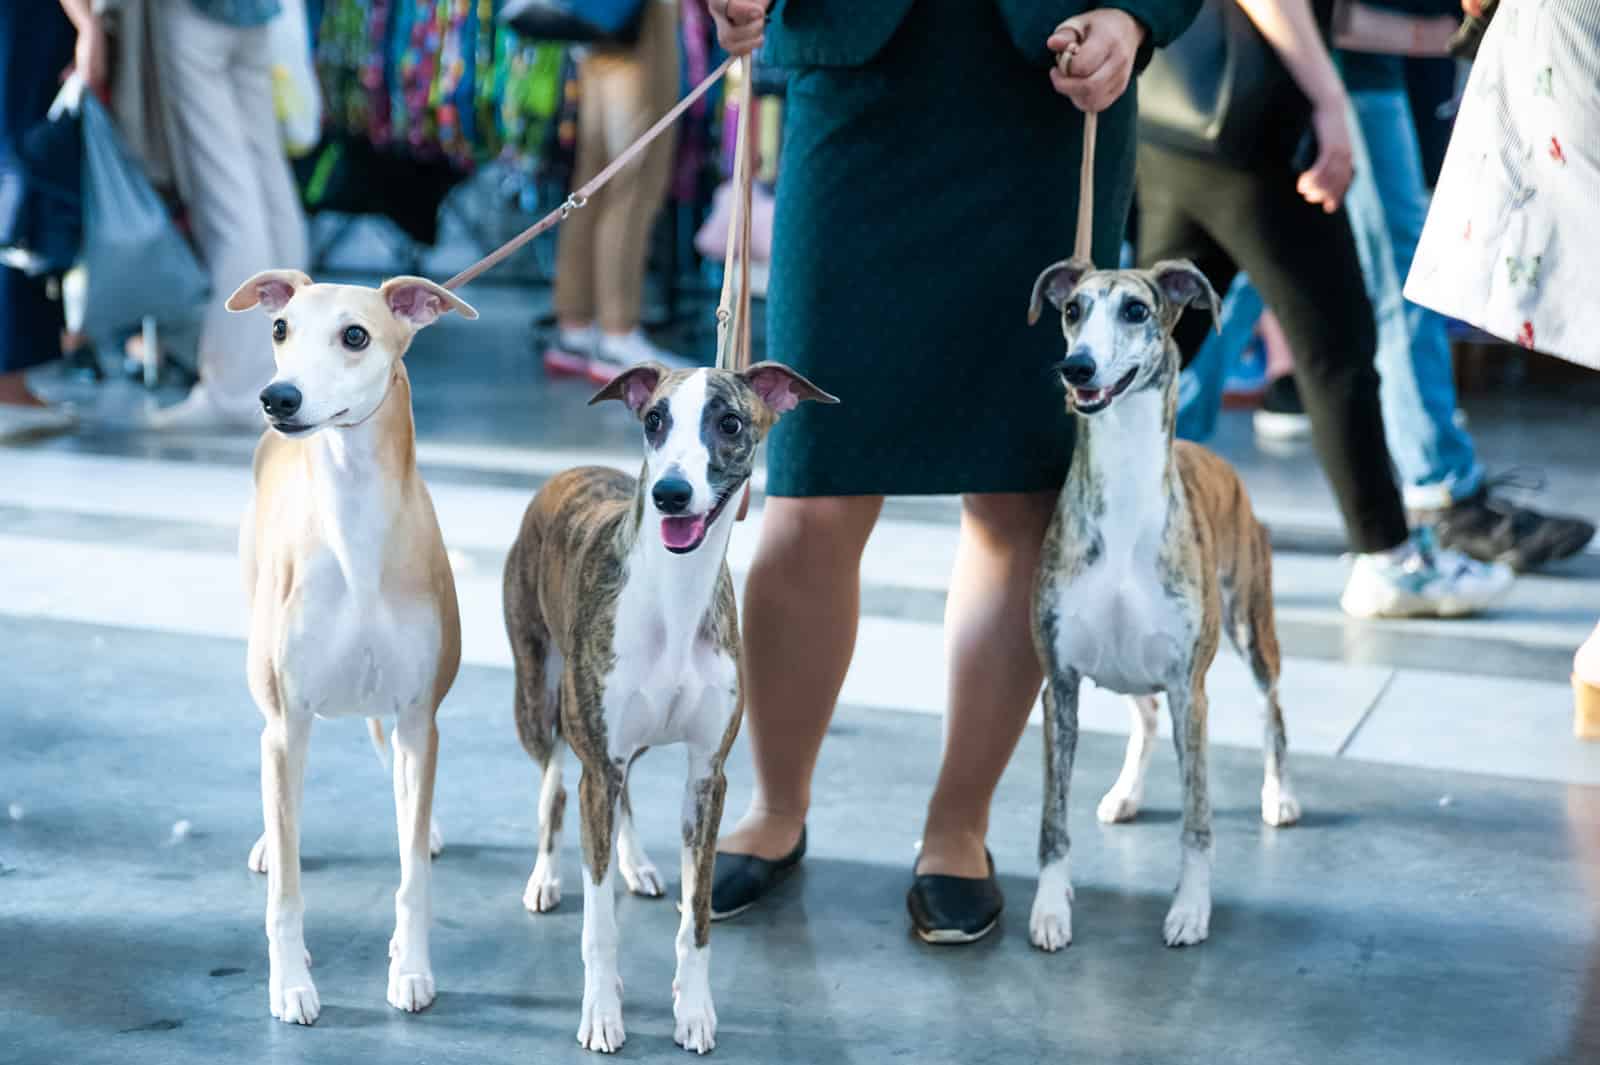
point(825, 530)
point(1018, 518)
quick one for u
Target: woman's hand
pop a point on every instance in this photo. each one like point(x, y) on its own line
point(89, 58)
point(741, 24)
point(1329, 177)
point(1097, 74)
point(1473, 7)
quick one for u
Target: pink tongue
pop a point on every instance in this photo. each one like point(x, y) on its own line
point(682, 533)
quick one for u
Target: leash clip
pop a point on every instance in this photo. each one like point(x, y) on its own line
point(574, 202)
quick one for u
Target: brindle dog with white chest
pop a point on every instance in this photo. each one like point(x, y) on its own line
point(622, 622)
point(1153, 553)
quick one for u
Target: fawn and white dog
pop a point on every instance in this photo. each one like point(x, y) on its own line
point(352, 604)
point(622, 622)
point(1153, 553)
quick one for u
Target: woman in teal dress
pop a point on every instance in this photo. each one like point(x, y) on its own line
point(928, 173)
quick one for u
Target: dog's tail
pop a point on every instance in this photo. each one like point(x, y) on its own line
point(380, 741)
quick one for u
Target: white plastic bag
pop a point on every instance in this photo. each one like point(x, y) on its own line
point(296, 96)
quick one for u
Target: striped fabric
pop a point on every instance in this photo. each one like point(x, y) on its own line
point(1510, 241)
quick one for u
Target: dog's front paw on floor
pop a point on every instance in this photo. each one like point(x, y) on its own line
point(296, 1004)
point(695, 1022)
point(601, 1026)
point(1050, 925)
point(1188, 922)
point(410, 991)
point(543, 892)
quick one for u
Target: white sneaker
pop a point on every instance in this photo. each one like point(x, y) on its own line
point(571, 351)
point(615, 354)
point(22, 422)
point(199, 412)
point(1420, 579)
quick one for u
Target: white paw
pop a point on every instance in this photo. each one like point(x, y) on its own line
point(258, 856)
point(1050, 924)
point(293, 997)
point(601, 1027)
point(694, 1021)
point(543, 892)
point(1189, 920)
point(1279, 807)
point(435, 839)
point(643, 878)
point(410, 991)
point(1117, 807)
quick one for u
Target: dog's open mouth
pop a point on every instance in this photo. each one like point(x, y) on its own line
point(288, 428)
point(1089, 400)
point(682, 533)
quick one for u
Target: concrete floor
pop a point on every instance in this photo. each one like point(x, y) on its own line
point(1438, 905)
point(1414, 916)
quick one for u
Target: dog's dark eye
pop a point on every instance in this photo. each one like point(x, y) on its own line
point(280, 329)
point(1135, 312)
point(652, 422)
point(1072, 312)
point(355, 338)
point(730, 425)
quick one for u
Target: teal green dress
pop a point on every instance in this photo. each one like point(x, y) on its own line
point(928, 173)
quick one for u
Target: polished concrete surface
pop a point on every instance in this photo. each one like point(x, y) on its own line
point(1440, 903)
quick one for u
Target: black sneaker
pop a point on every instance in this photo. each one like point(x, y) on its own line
point(1282, 416)
point(1491, 528)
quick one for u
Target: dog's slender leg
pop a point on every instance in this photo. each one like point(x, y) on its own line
point(1122, 802)
point(638, 871)
point(1279, 807)
point(284, 741)
point(416, 754)
point(695, 1017)
point(380, 745)
point(1189, 919)
point(1050, 925)
point(599, 792)
point(543, 892)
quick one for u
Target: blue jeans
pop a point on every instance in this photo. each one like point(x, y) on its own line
point(1387, 204)
point(1200, 386)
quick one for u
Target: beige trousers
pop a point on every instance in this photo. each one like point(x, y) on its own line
point(600, 258)
point(216, 88)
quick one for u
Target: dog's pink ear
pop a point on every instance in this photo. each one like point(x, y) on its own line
point(781, 388)
point(419, 302)
point(1055, 284)
point(633, 386)
point(269, 290)
point(1183, 284)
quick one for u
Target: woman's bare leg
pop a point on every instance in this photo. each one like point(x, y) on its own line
point(806, 579)
point(994, 671)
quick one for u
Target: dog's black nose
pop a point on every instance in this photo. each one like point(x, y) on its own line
point(281, 400)
point(672, 495)
point(1078, 369)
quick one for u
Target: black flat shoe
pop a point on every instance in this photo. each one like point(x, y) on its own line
point(742, 880)
point(949, 910)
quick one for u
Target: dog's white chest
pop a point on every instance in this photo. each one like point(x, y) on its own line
point(1118, 626)
point(669, 683)
point(347, 651)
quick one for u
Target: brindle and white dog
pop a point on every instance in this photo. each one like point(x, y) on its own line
point(622, 622)
point(1153, 552)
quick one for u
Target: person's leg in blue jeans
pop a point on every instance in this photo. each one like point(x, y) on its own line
point(1434, 455)
point(1439, 470)
point(1200, 386)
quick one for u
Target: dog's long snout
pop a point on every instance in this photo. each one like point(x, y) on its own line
point(281, 400)
point(672, 495)
point(1079, 368)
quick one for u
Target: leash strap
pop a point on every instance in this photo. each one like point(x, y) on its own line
point(733, 307)
point(1083, 243)
point(580, 199)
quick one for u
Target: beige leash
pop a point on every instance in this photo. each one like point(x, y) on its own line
point(580, 199)
point(1083, 244)
point(733, 307)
